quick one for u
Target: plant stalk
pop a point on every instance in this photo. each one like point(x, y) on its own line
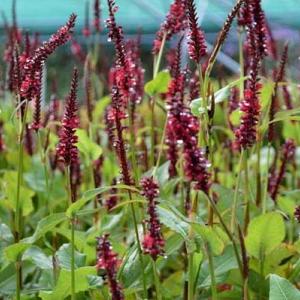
point(156, 281)
point(191, 276)
point(18, 215)
point(139, 245)
point(73, 296)
point(265, 196)
point(214, 292)
point(236, 193)
point(247, 195)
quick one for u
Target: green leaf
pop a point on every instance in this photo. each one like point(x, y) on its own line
point(220, 96)
point(88, 195)
point(287, 205)
point(131, 269)
point(38, 257)
point(172, 286)
point(13, 252)
point(222, 265)
point(86, 146)
point(172, 221)
point(76, 206)
point(63, 286)
point(45, 225)
point(8, 277)
point(266, 94)
point(110, 221)
point(282, 289)
point(209, 235)
point(159, 84)
point(290, 130)
point(6, 236)
point(173, 243)
point(265, 233)
point(162, 173)
point(10, 190)
point(95, 282)
point(100, 107)
point(286, 114)
point(64, 257)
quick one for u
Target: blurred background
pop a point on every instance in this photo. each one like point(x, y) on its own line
point(143, 17)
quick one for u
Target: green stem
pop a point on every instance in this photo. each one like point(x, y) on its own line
point(160, 151)
point(247, 196)
point(157, 62)
point(20, 175)
point(133, 147)
point(43, 161)
point(73, 258)
point(159, 57)
point(258, 175)
point(18, 215)
point(265, 196)
point(156, 281)
point(212, 273)
point(236, 193)
point(152, 150)
point(203, 133)
point(73, 297)
point(139, 245)
point(262, 278)
point(229, 234)
point(191, 277)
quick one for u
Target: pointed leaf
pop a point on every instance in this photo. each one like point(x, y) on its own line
point(282, 289)
point(159, 84)
point(64, 257)
point(45, 225)
point(265, 233)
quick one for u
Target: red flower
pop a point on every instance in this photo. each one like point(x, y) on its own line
point(27, 50)
point(197, 47)
point(136, 70)
point(259, 26)
point(36, 124)
point(107, 260)
point(118, 141)
point(30, 85)
point(244, 16)
point(97, 12)
point(246, 133)
point(175, 22)
point(67, 149)
point(195, 168)
point(153, 243)
point(121, 73)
